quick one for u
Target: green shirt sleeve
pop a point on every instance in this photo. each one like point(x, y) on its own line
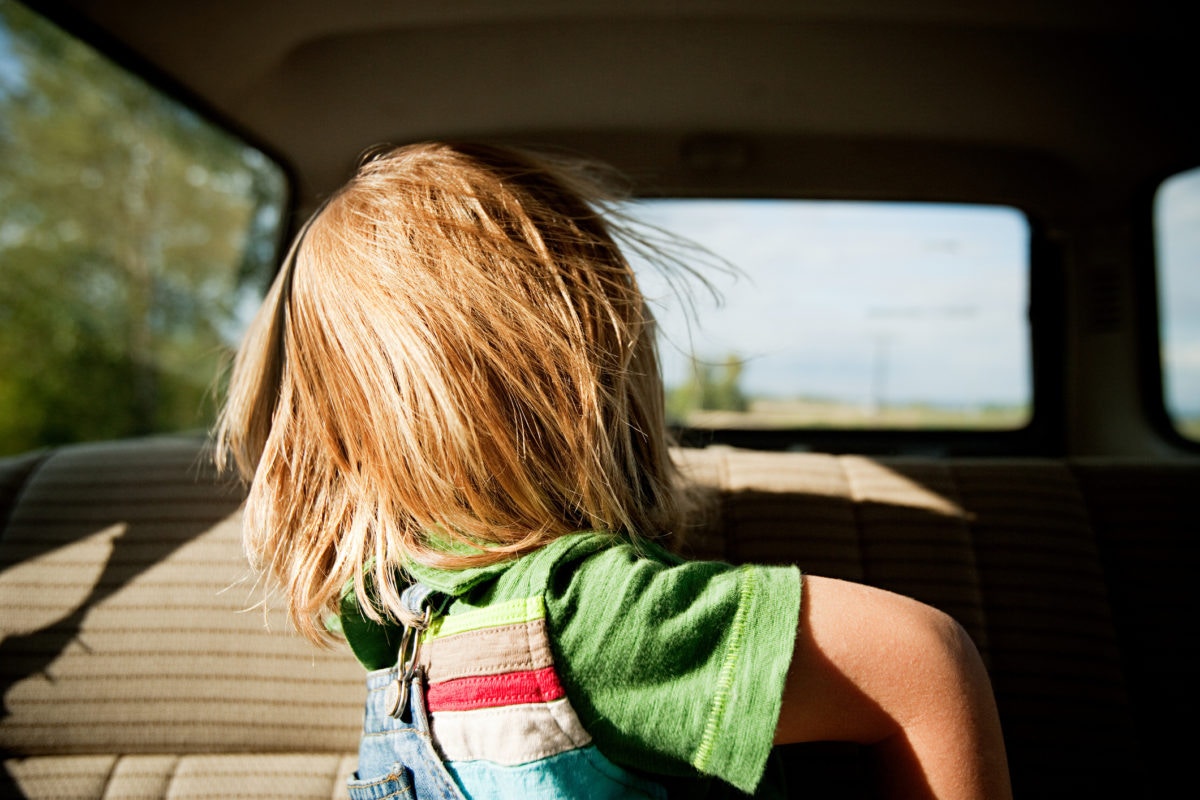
point(671, 664)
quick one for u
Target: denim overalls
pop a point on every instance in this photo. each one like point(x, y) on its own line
point(397, 744)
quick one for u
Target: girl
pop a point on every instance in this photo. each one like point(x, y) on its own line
point(450, 412)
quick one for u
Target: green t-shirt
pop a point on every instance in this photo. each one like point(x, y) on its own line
point(673, 667)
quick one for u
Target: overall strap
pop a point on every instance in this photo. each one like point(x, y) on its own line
point(419, 600)
point(419, 597)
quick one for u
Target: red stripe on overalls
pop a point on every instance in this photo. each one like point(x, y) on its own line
point(487, 691)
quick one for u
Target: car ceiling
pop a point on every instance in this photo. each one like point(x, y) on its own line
point(837, 97)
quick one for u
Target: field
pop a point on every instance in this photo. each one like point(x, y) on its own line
point(818, 413)
point(1189, 427)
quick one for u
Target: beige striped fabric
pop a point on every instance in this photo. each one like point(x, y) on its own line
point(135, 663)
point(1005, 546)
point(14, 472)
point(130, 627)
point(1146, 517)
point(275, 776)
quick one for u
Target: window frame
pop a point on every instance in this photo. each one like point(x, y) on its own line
point(1043, 435)
point(1149, 333)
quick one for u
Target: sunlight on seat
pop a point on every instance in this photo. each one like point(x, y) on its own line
point(51, 586)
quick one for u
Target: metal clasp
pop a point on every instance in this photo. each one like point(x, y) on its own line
point(406, 665)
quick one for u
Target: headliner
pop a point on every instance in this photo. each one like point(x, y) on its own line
point(835, 97)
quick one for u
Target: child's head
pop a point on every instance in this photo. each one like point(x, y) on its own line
point(454, 347)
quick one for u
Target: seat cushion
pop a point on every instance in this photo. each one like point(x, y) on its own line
point(298, 776)
point(131, 623)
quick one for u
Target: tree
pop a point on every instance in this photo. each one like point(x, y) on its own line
point(131, 230)
point(709, 387)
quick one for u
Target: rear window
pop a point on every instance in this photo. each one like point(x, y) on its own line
point(134, 237)
point(851, 315)
point(1177, 232)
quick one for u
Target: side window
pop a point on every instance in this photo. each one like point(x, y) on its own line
point(135, 236)
point(849, 315)
point(1177, 238)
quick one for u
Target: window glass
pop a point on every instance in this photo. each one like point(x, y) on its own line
point(1177, 229)
point(848, 315)
point(133, 237)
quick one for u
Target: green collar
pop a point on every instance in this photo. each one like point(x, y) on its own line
point(375, 644)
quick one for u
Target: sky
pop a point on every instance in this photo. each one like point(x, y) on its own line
point(862, 302)
point(1177, 226)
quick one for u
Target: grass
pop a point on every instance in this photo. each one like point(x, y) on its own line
point(1189, 427)
point(817, 413)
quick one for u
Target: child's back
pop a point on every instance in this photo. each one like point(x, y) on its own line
point(454, 380)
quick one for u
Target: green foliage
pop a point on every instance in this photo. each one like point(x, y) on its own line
point(1189, 427)
point(710, 387)
point(133, 233)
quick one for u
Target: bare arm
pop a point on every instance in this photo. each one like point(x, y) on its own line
point(878, 668)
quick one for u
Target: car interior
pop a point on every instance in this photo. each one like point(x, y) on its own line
point(985, 395)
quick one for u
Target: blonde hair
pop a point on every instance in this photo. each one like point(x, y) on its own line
point(454, 367)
